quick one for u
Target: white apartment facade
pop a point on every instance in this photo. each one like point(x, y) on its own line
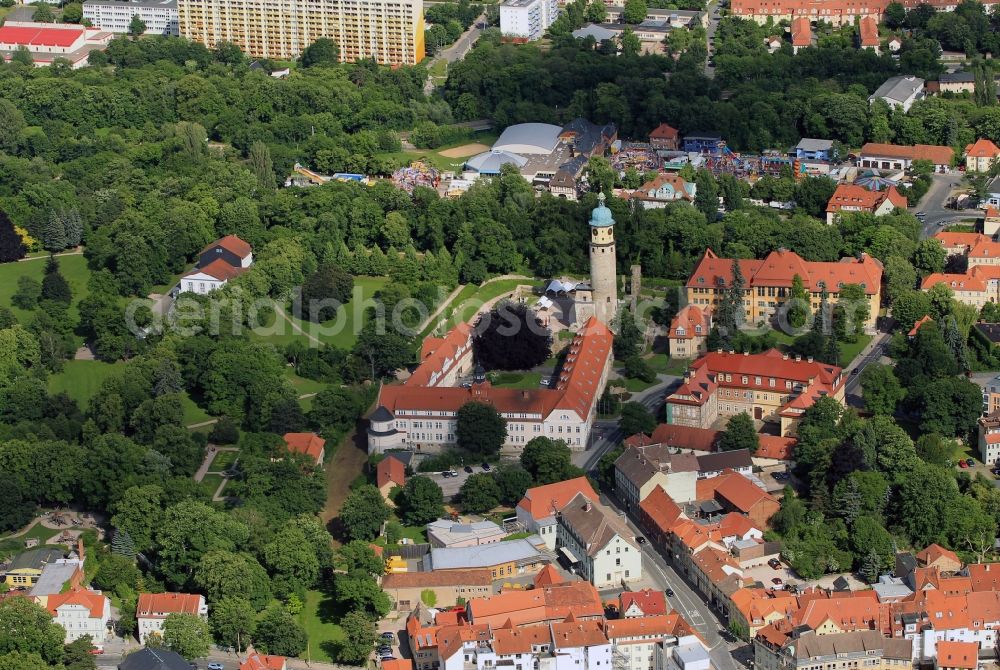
point(390, 32)
point(81, 612)
point(599, 543)
point(153, 609)
point(160, 16)
point(527, 20)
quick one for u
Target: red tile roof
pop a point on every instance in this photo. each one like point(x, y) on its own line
point(776, 447)
point(736, 525)
point(232, 244)
point(93, 601)
point(264, 662)
point(552, 603)
point(984, 576)
point(40, 37)
point(438, 578)
point(847, 613)
point(801, 32)
point(935, 552)
point(547, 576)
point(938, 155)
point(983, 148)
point(664, 132)
point(675, 180)
point(509, 641)
point(953, 240)
point(544, 501)
point(439, 354)
point(957, 655)
point(661, 509)
point(674, 435)
point(868, 31)
point(576, 389)
point(390, 470)
point(919, 322)
point(734, 488)
point(656, 625)
point(852, 196)
point(572, 634)
point(688, 319)
point(395, 664)
point(219, 269)
point(309, 444)
point(780, 267)
point(649, 602)
point(156, 605)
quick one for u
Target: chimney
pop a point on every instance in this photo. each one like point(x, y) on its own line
point(798, 358)
point(719, 350)
point(784, 357)
point(810, 359)
point(746, 352)
point(587, 506)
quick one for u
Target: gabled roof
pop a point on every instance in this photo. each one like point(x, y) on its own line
point(36, 35)
point(438, 578)
point(395, 664)
point(309, 444)
point(684, 326)
point(544, 501)
point(984, 576)
point(661, 509)
point(801, 32)
point(735, 489)
point(390, 470)
point(852, 196)
point(934, 552)
point(868, 31)
point(547, 576)
point(983, 148)
point(232, 244)
point(664, 132)
point(780, 267)
point(539, 605)
point(217, 269)
point(593, 524)
point(647, 190)
point(926, 318)
point(649, 602)
point(159, 605)
point(776, 447)
point(721, 460)
point(676, 436)
point(939, 155)
point(572, 634)
point(154, 659)
point(736, 525)
point(257, 661)
point(957, 655)
point(639, 627)
point(92, 600)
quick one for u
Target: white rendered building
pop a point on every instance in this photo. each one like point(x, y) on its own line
point(81, 612)
point(160, 16)
point(153, 609)
point(599, 543)
point(527, 20)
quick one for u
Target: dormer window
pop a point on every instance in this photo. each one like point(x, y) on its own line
point(697, 330)
point(680, 331)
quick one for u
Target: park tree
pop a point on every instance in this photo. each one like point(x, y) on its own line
point(28, 293)
point(548, 461)
point(511, 337)
point(323, 51)
point(27, 628)
point(187, 634)
point(224, 574)
point(739, 434)
point(923, 495)
point(597, 12)
point(512, 481)
point(278, 633)
point(137, 513)
point(929, 257)
point(363, 513)
point(881, 389)
point(189, 530)
point(951, 406)
point(479, 493)
point(54, 234)
point(21, 660)
point(480, 429)
point(798, 304)
point(136, 27)
point(706, 198)
point(79, 654)
point(262, 165)
point(359, 636)
point(885, 446)
point(895, 15)
point(291, 560)
point(635, 419)
point(358, 591)
point(43, 14)
point(420, 502)
point(357, 555)
point(233, 621)
point(11, 246)
point(935, 449)
point(324, 292)
point(731, 313)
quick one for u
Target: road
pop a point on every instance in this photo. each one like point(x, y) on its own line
point(871, 354)
point(932, 206)
point(456, 51)
point(713, 9)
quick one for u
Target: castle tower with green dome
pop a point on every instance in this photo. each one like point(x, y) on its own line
point(603, 267)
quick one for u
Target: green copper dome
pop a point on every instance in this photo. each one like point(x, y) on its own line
point(601, 216)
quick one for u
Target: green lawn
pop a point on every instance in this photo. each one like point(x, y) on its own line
point(193, 413)
point(301, 384)
point(662, 363)
point(340, 331)
point(318, 617)
point(210, 483)
point(223, 460)
point(517, 380)
point(635, 385)
point(82, 379)
point(73, 268)
point(849, 350)
point(516, 536)
point(467, 304)
point(434, 158)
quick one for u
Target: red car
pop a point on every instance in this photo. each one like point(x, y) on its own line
point(963, 464)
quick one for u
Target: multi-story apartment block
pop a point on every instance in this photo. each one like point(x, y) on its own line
point(160, 16)
point(770, 386)
point(81, 612)
point(527, 20)
point(835, 12)
point(768, 282)
point(989, 438)
point(390, 32)
point(840, 651)
point(980, 283)
point(153, 609)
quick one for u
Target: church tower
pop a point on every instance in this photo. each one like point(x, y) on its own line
point(603, 272)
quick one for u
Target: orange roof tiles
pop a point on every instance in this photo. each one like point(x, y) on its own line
point(984, 576)
point(801, 32)
point(846, 613)
point(934, 552)
point(675, 180)
point(232, 244)
point(776, 447)
point(658, 625)
point(664, 131)
point(309, 444)
point(963, 655)
point(395, 664)
point(390, 470)
point(868, 31)
point(578, 634)
point(736, 489)
point(92, 600)
point(435, 578)
point(737, 525)
point(162, 604)
point(661, 509)
point(960, 282)
point(938, 155)
point(547, 576)
point(952, 240)
point(508, 641)
point(780, 267)
point(219, 269)
point(686, 324)
point(852, 196)
point(439, 354)
point(552, 603)
point(266, 662)
point(544, 501)
point(983, 148)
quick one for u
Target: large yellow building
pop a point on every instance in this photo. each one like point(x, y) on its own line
point(768, 282)
point(391, 32)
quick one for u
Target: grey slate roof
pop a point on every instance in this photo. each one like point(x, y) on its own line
point(154, 659)
point(593, 524)
point(599, 33)
point(957, 78)
point(639, 464)
point(35, 558)
point(720, 460)
point(899, 88)
point(482, 556)
point(812, 645)
point(810, 144)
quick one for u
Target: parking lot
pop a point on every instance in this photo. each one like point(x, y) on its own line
point(451, 485)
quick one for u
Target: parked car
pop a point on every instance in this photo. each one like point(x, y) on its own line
point(388, 637)
point(670, 593)
point(640, 540)
point(215, 665)
point(486, 466)
point(446, 474)
point(778, 584)
point(970, 462)
point(963, 464)
point(468, 468)
point(774, 563)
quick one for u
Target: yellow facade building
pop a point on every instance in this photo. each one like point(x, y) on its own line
point(390, 32)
